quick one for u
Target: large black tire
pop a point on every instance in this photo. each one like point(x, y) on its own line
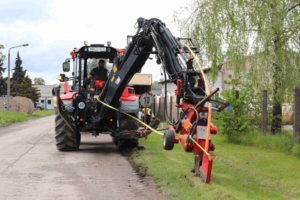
point(127, 124)
point(168, 140)
point(66, 139)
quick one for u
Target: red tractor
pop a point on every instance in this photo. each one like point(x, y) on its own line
point(90, 111)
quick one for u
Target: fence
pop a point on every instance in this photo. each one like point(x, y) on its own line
point(295, 112)
point(174, 112)
point(159, 107)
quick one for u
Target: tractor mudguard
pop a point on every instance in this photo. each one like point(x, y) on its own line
point(60, 107)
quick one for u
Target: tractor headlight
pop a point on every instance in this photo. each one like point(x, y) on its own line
point(61, 77)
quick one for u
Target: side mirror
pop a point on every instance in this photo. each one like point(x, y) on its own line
point(66, 66)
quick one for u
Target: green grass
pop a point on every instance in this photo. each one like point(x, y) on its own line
point(9, 117)
point(239, 172)
point(282, 142)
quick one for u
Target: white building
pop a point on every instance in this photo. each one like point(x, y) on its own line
point(46, 95)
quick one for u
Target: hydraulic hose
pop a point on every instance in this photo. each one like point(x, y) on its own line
point(184, 84)
point(167, 61)
point(209, 104)
point(195, 122)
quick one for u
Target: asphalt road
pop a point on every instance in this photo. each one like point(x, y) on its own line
point(32, 168)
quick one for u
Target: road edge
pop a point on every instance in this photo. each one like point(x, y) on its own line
point(139, 170)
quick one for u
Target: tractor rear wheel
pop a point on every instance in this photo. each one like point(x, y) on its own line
point(66, 139)
point(129, 124)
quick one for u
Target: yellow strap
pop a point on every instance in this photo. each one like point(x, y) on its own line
point(208, 155)
point(96, 97)
point(208, 92)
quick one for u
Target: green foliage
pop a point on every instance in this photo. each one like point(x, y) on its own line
point(244, 110)
point(156, 85)
point(39, 81)
point(259, 39)
point(3, 85)
point(239, 172)
point(2, 56)
point(25, 89)
point(19, 73)
point(9, 117)
point(296, 150)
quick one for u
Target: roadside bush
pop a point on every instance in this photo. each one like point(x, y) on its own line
point(241, 124)
point(296, 150)
point(244, 112)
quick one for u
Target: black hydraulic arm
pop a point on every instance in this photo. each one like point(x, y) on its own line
point(151, 33)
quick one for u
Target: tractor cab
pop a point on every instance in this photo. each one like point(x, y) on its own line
point(79, 101)
point(85, 59)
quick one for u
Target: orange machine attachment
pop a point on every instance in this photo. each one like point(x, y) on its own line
point(195, 132)
point(195, 127)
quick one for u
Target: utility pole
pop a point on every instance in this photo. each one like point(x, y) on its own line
point(8, 77)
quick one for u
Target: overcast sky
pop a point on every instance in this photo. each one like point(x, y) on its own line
point(52, 28)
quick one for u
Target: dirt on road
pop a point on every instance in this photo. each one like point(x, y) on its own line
point(32, 168)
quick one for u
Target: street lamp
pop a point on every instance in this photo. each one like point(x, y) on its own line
point(8, 77)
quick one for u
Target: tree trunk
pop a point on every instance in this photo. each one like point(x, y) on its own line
point(277, 117)
point(277, 109)
point(264, 113)
point(296, 114)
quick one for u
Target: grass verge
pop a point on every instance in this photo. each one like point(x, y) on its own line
point(239, 172)
point(9, 117)
point(282, 142)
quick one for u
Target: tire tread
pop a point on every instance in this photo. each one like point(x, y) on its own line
point(66, 140)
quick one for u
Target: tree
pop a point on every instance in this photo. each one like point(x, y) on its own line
point(3, 85)
point(25, 89)
point(156, 85)
point(39, 81)
point(267, 31)
point(19, 73)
